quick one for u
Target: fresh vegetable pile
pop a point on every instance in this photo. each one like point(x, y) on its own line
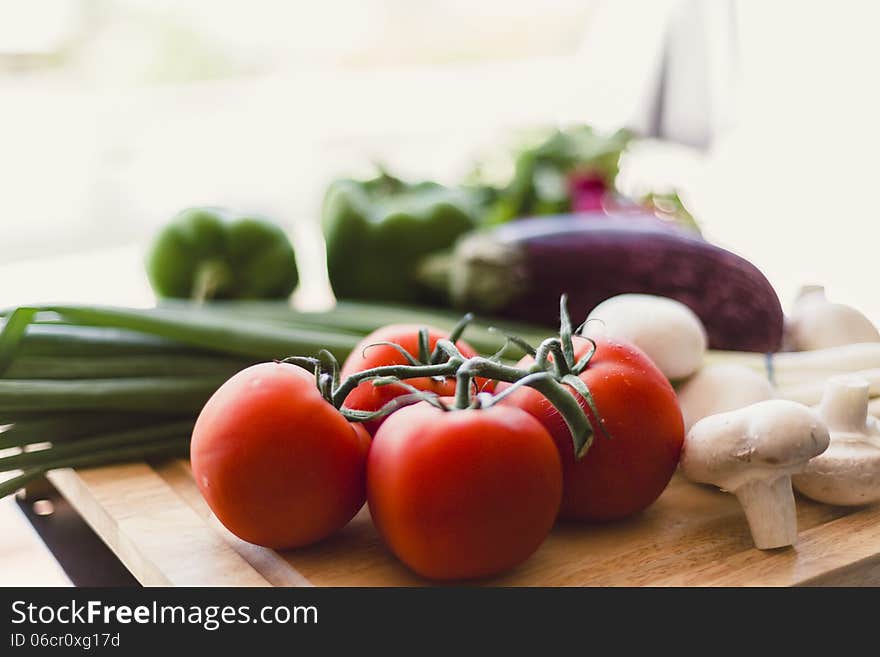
point(465, 456)
point(750, 428)
point(517, 269)
point(392, 240)
point(83, 385)
point(466, 460)
point(461, 482)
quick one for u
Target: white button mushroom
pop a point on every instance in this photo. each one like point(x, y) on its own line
point(752, 452)
point(667, 331)
point(721, 388)
point(848, 472)
point(817, 323)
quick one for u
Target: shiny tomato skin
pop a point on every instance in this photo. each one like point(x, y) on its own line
point(626, 473)
point(463, 494)
point(278, 465)
point(367, 355)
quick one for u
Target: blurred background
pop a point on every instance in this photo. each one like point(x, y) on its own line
point(114, 114)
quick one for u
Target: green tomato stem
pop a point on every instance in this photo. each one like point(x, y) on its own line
point(581, 365)
point(454, 336)
point(551, 347)
point(528, 380)
point(565, 334)
point(463, 382)
point(560, 360)
point(424, 345)
point(556, 394)
point(410, 359)
point(403, 372)
point(355, 415)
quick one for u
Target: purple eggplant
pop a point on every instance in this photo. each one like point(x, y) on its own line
point(518, 270)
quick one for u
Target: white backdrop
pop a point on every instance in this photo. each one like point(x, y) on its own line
point(94, 159)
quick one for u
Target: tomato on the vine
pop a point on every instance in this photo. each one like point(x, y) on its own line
point(632, 460)
point(463, 493)
point(277, 463)
point(371, 353)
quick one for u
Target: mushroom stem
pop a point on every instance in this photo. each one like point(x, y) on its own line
point(770, 510)
point(814, 291)
point(844, 405)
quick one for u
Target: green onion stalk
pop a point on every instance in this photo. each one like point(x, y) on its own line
point(84, 386)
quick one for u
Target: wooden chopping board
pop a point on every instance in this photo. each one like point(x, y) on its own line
point(155, 520)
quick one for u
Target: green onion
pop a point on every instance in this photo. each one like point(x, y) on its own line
point(9, 486)
point(360, 318)
point(221, 333)
point(181, 430)
point(103, 385)
point(89, 341)
point(159, 449)
point(157, 394)
point(31, 428)
point(108, 367)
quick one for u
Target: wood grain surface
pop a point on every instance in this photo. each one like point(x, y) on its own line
point(154, 518)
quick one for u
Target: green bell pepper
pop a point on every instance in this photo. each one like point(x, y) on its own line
point(211, 253)
point(378, 230)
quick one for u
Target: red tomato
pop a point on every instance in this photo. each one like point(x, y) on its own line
point(625, 473)
point(464, 493)
point(367, 397)
point(278, 465)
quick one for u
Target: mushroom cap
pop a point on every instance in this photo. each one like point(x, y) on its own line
point(817, 323)
point(761, 441)
point(668, 331)
point(846, 474)
point(720, 388)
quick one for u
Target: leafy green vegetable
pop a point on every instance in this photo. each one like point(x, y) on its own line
point(540, 183)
